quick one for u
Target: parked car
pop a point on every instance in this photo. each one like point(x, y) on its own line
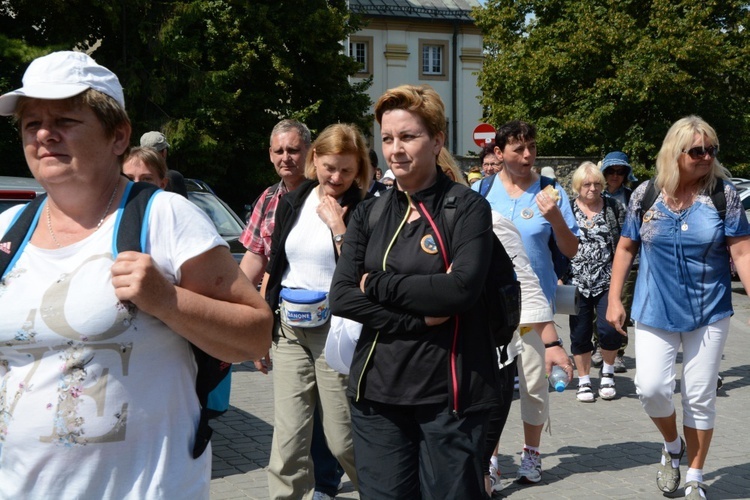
point(743, 189)
point(227, 222)
point(15, 190)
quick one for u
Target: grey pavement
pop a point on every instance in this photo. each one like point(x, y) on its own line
point(604, 450)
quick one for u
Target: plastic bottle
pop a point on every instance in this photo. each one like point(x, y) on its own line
point(558, 379)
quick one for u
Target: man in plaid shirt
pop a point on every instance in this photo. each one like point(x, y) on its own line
point(290, 141)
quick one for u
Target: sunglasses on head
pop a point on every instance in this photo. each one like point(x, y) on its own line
point(616, 171)
point(699, 152)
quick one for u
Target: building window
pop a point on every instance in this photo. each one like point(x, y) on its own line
point(433, 59)
point(360, 49)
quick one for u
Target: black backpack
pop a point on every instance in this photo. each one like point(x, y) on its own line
point(717, 195)
point(501, 288)
point(213, 381)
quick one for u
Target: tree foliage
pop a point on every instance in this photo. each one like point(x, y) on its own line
point(601, 75)
point(213, 75)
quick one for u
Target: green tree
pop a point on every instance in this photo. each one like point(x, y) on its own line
point(214, 75)
point(615, 74)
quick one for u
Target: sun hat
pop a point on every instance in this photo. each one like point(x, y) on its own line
point(615, 158)
point(474, 176)
point(388, 175)
point(154, 140)
point(61, 75)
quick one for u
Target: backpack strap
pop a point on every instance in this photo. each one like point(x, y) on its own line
point(486, 184)
point(719, 199)
point(717, 195)
point(19, 233)
point(649, 197)
point(376, 211)
point(130, 230)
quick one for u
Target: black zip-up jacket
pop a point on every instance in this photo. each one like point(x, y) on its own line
point(396, 304)
point(287, 213)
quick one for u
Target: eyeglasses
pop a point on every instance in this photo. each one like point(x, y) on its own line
point(591, 185)
point(491, 164)
point(616, 171)
point(699, 152)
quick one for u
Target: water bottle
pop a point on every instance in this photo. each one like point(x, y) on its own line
point(558, 379)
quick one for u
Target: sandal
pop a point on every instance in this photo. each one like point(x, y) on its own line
point(695, 490)
point(585, 394)
point(668, 477)
point(607, 387)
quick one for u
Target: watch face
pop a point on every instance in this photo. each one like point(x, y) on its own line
point(338, 238)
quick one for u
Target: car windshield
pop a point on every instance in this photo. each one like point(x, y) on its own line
point(225, 223)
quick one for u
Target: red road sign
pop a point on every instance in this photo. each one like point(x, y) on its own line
point(484, 133)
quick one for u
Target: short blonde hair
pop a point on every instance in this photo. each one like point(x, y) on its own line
point(422, 100)
point(679, 138)
point(449, 167)
point(585, 171)
point(342, 139)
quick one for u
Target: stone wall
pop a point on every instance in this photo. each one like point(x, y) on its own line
point(564, 166)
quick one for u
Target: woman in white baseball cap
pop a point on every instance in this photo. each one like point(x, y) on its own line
point(98, 373)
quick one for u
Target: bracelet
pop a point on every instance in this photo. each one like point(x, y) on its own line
point(556, 343)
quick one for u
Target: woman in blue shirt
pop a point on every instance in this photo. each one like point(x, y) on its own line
point(683, 292)
point(516, 193)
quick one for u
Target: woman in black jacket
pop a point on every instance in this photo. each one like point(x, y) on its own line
point(424, 372)
point(309, 231)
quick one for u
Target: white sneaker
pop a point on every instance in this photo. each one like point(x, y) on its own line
point(495, 483)
point(530, 471)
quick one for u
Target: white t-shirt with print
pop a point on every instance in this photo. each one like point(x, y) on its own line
point(97, 399)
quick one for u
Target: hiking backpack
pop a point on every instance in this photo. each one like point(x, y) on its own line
point(214, 378)
point(501, 288)
point(717, 197)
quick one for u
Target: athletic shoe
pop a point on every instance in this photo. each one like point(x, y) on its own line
point(620, 365)
point(585, 394)
point(495, 483)
point(530, 471)
point(596, 358)
point(319, 495)
point(607, 387)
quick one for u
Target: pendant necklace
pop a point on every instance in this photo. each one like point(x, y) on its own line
point(101, 221)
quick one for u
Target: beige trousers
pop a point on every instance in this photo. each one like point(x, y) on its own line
point(303, 380)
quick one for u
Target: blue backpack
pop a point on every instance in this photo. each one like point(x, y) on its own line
point(214, 378)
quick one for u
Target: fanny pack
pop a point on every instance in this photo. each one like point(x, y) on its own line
point(303, 308)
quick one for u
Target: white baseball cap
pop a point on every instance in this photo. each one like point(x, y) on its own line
point(60, 75)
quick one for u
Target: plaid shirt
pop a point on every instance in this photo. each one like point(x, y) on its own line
point(257, 235)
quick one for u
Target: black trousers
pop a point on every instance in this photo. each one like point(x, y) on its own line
point(499, 414)
point(418, 452)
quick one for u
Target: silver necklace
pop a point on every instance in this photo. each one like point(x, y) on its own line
point(101, 221)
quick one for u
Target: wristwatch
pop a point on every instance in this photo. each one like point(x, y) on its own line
point(556, 343)
point(338, 238)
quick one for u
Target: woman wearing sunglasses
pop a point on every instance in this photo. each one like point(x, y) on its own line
point(617, 171)
point(683, 294)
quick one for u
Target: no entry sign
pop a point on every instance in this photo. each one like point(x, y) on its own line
point(484, 133)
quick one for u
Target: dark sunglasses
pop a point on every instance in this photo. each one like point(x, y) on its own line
point(616, 171)
point(699, 152)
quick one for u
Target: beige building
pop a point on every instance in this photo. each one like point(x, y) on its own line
point(416, 42)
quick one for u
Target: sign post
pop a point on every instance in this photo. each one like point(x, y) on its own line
point(484, 133)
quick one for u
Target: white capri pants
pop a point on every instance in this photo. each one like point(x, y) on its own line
point(656, 354)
